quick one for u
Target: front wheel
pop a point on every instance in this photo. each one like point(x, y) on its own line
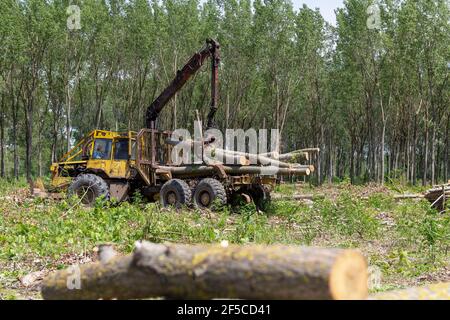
point(88, 187)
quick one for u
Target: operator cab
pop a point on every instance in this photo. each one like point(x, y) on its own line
point(107, 145)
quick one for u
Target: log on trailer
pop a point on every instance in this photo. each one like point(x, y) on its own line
point(295, 156)
point(218, 271)
point(200, 170)
point(227, 156)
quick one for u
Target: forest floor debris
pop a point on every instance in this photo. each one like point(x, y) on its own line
point(406, 242)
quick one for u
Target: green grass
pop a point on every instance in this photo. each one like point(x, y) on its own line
point(7, 186)
point(405, 240)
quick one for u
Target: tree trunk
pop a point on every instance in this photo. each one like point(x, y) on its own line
point(68, 116)
point(14, 97)
point(329, 168)
point(14, 140)
point(28, 137)
point(433, 156)
point(447, 146)
point(425, 158)
point(382, 147)
point(352, 163)
point(413, 160)
point(215, 271)
point(2, 138)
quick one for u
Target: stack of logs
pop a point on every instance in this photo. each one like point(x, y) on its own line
point(287, 164)
point(213, 155)
point(439, 196)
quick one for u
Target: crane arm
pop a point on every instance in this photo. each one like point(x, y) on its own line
point(211, 50)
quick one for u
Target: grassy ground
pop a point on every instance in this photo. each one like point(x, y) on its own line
point(406, 242)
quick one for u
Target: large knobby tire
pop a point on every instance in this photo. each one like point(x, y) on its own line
point(209, 193)
point(88, 187)
point(175, 192)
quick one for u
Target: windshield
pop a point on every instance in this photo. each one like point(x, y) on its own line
point(102, 149)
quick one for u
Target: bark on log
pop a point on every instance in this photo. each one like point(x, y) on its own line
point(215, 271)
point(255, 159)
point(408, 196)
point(273, 154)
point(37, 193)
point(402, 197)
point(310, 150)
point(265, 159)
point(192, 171)
point(440, 291)
point(294, 157)
point(214, 155)
point(297, 197)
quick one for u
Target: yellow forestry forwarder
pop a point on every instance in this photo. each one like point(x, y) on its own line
point(115, 164)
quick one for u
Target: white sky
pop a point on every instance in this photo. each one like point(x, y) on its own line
point(326, 7)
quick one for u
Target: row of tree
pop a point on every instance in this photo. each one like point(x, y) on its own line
point(372, 92)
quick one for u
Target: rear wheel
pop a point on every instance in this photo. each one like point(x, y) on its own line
point(89, 187)
point(208, 193)
point(175, 193)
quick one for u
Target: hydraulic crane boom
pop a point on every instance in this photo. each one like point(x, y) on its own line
point(211, 50)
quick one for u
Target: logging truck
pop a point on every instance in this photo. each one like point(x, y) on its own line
point(117, 164)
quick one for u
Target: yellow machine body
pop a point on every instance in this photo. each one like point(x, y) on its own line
point(110, 162)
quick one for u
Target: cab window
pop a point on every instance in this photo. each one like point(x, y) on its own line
point(121, 150)
point(102, 149)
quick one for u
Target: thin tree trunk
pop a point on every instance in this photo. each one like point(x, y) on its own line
point(330, 160)
point(425, 158)
point(447, 146)
point(68, 116)
point(352, 163)
point(414, 147)
point(29, 136)
point(2, 138)
point(14, 141)
point(433, 156)
point(14, 99)
point(39, 155)
point(383, 137)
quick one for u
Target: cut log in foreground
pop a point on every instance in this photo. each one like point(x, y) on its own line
point(440, 291)
point(215, 271)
